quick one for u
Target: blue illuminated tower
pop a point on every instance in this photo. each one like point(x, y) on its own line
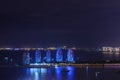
point(48, 56)
point(70, 55)
point(37, 56)
point(59, 55)
point(28, 58)
point(24, 58)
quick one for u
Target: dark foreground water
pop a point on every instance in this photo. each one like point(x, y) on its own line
point(58, 73)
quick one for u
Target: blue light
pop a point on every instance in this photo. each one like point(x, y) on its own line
point(26, 58)
point(59, 55)
point(70, 57)
point(48, 56)
point(37, 56)
point(70, 74)
point(71, 68)
point(58, 69)
point(56, 66)
point(38, 70)
point(58, 73)
point(87, 69)
point(36, 76)
point(43, 70)
point(16, 49)
point(36, 73)
point(28, 71)
point(33, 70)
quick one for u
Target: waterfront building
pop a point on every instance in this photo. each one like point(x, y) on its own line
point(111, 49)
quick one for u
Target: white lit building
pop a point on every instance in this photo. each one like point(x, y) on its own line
point(111, 49)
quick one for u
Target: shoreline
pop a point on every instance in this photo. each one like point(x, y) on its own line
point(65, 65)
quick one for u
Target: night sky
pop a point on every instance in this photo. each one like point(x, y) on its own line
point(42, 23)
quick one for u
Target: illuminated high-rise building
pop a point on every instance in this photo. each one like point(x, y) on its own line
point(70, 55)
point(37, 56)
point(59, 55)
point(26, 58)
point(48, 56)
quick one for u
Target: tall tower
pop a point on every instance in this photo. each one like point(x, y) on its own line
point(70, 55)
point(37, 56)
point(26, 58)
point(59, 55)
point(48, 56)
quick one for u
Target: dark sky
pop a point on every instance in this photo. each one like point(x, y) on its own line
point(37, 23)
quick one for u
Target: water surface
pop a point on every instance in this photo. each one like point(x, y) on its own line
point(59, 73)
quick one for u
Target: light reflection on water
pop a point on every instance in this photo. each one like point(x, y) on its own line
point(56, 73)
point(86, 72)
point(70, 74)
point(60, 74)
point(38, 73)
